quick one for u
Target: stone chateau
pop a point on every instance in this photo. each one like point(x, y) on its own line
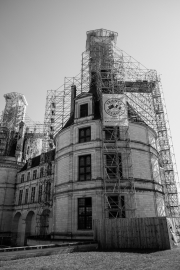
point(104, 161)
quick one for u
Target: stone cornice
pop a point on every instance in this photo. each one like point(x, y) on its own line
point(7, 185)
point(11, 165)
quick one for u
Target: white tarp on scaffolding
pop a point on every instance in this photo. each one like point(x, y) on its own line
point(114, 110)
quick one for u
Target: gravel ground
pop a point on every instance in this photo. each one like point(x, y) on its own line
point(162, 260)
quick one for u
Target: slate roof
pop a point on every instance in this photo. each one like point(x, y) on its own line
point(36, 160)
point(82, 95)
point(132, 114)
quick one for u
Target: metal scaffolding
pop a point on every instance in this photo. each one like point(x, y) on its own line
point(107, 78)
point(33, 138)
point(57, 109)
point(110, 70)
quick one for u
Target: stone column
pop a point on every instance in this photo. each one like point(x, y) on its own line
point(21, 240)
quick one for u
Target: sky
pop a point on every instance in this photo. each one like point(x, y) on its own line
point(41, 42)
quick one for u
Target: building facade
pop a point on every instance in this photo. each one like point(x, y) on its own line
point(79, 191)
point(8, 174)
point(60, 193)
point(33, 199)
point(112, 156)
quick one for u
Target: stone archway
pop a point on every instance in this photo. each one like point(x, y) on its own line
point(30, 225)
point(17, 229)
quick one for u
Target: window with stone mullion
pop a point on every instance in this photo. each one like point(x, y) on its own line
point(85, 213)
point(85, 168)
point(111, 134)
point(116, 206)
point(112, 163)
point(85, 134)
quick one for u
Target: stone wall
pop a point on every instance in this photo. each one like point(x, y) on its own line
point(68, 188)
point(8, 171)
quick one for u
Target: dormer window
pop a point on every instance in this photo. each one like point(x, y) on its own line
point(29, 163)
point(84, 110)
point(42, 158)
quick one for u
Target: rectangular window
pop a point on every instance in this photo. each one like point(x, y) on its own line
point(20, 197)
point(116, 207)
point(28, 176)
point(111, 133)
point(22, 178)
point(34, 174)
point(114, 166)
point(49, 169)
point(26, 196)
point(85, 213)
point(40, 194)
point(47, 191)
point(85, 168)
point(84, 110)
point(85, 134)
point(33, 190)
point(41, 172)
